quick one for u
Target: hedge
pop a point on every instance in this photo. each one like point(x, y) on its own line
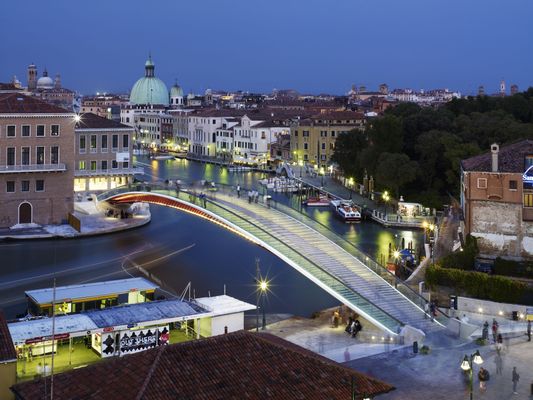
point(480, 285)
point(513, 268)
point(464, 259)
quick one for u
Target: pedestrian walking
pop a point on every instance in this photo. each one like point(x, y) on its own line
point(529, 330)
point(516, 379)
point(238, 190)
point(494, 329)
point(483, 376)
point(499, 364)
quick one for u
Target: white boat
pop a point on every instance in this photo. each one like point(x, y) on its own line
point(238, 168)
point(163, 157)
point(320, 201)
point(347, 210)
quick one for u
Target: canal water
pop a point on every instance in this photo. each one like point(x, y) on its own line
point(178, 248)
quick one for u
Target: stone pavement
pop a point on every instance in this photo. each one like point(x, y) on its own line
point(438, 375)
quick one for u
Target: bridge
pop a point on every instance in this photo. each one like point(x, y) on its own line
point(328, 260)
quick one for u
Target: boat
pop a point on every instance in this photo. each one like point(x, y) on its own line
point(238, 168)
point(162, 157)
point(320, 201)
point(347, 210)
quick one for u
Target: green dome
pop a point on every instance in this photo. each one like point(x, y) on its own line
point(176, 91)
point(149, 89)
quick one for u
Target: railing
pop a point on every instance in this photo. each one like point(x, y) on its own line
point(7, 169)
point(335, 284)
point(111, 171)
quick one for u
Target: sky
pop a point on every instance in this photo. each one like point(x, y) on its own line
point(313, 46)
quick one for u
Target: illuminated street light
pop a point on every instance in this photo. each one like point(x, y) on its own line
point(77, 118)
point(467, 365)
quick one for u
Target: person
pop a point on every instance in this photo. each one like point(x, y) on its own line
point(238, 190)
point(348, 328)
point(494, 329)
point(483, 376)
point(432, 309)
point(529, 330)
point(357, 328)
point(499, 364)
point(485, 335)
point(336, 317)
point(516, 378)
point(39, 369)
point(30, 354)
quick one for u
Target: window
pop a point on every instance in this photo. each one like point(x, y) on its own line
point(528, 162)
point(125, 164)
point(25, 152)
point(25, 130)
point(513, 185)
point(39, 153)
point(305, 134)
point(93, 165)
point(10, 156)
point(93, 143)
point(306, 146)
point(125, 141)
point(104, 143)
point(10, 186)
point(323, 157)
point(528, 199)
point(11, 131)
point(40, 130)
point(104, 165)
point(323, 146)
point(481, 183)
point(25, 186)
point(54, 130)
point(83, 144)
point(296, 133)
point(114, 142)
point(39, 185)
point(54, 155)
point(305, 157)
point(332, 133)
point(323, 133)
point(114, 164)
point(81, 165)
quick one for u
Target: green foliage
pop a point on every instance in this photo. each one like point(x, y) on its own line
point(425, 350)
point(480, 285)
point(481, 342)
point(434, 140)
point(464, 259)
point(513, 268)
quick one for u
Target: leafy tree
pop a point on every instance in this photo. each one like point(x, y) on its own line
point(395, 170)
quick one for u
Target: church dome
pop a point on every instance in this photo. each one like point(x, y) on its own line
point(176, 91)
point(149, 89)
point(45, 82)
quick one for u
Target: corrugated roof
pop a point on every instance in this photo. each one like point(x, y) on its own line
point(240, 365)
point(143, 312)
point(42, 327)
point(89, 290)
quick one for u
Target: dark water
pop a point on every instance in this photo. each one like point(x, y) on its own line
point(178, 248)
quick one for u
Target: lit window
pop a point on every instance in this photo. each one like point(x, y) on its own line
point(481, 183)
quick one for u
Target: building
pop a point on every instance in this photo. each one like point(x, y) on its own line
point(313, 139)
point(497, 200)
point(8, 361)
point(103, 154)
point(103, 105)
point(149, 89)
point(48, 89)
point(36, 161)
point(240, 365)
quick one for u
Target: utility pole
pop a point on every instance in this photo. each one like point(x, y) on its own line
point(257, 278)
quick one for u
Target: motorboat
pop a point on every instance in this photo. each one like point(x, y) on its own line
point(320, 201)
point(162, 156)
point(347, 210)
point(238, 168)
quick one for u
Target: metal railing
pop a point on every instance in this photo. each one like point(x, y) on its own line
point(110, 171)
point(7, 169)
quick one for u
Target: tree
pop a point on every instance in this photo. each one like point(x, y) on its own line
point(348, 147)
point(395, 170)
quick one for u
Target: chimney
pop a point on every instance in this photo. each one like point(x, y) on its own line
point(494, 149)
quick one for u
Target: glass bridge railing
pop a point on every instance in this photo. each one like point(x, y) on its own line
point(332, 282)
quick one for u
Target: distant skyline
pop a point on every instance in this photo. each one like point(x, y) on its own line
point(313, 46)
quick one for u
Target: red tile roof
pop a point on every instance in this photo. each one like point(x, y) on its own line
point(17, 103)
point(93, 121)
point(511, 158)
point(239, 365)
point(7, 350)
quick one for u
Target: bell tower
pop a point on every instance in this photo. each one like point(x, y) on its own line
point(32, 77)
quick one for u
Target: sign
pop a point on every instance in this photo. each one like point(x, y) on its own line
point(59, 336)
point(135, 341)
point(123, 157)
point(109, 329)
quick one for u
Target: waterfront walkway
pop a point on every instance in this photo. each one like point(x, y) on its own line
point(351, 277)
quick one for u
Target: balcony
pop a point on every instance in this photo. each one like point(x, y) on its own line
point(109, 172)
point(11, 169)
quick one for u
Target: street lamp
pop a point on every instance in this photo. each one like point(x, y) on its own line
point(386, 198)
point(467, 365)
point(350, 183)
point(263, 287)
point(322, 176)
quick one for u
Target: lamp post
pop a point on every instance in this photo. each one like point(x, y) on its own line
point(431, 228)
point(468, 365)
point(350, 183)
point(386, 198)
point(321, 176)
point(263, 287)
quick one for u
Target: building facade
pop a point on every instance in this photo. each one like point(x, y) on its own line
point(36, 161)
point(497, 200)
point(313, 139)
point(103, 154)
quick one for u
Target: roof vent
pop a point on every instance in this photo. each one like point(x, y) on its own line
point(494, 149)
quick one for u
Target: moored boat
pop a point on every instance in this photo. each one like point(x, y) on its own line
point(320, 201)
point(346, 210)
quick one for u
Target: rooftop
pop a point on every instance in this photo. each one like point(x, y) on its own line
point(220, 305)
point(510, 158)
point(17, 103)
point(93, 121)
point(89, 290)
point(240, 365)
point(7, 351)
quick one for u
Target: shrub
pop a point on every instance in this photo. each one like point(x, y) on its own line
point(481, 341)
point(513, 268)
point(425, 350)
point(462, 259)
point(480, 285)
